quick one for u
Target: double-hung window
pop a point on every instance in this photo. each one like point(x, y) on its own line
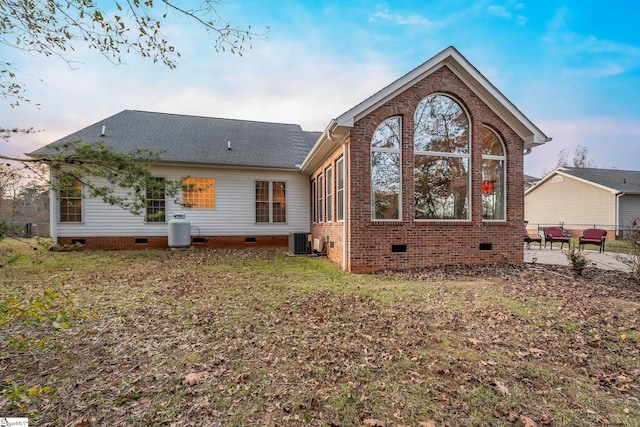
point(271, 202)
point(199, 193)
point(340, 189)
point(320, 198)
point(328, 173)
point(314, 202)
point(70, 197)
point(386, 185)
point(442, 159)
point(156, 203)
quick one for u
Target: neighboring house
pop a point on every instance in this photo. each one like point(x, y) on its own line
point(579, 198)
point(530, 181)
point(427, 171)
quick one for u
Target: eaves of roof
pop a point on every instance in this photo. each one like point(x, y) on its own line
point(458, 64)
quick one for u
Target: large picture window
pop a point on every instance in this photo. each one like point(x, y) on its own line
point(199, 193)
point(271, 202)
point(442, 159)
point(156, 204)
point(71, 202)
point(493, 176)
point(386, 185)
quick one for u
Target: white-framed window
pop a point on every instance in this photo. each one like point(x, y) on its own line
point(70, 197)
point(199, 193)
point(271, 202)
point(386, 182)
point(442, 149)
point(320, 198)
point(314, 202)
point(340, 189)
point(156, 202)
point(493, 176)
point(328, 173)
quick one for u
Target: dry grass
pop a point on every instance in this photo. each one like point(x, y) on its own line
point(257, 338)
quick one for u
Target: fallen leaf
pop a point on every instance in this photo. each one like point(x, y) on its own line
point(501, 388)
point(429, 423)
point(372, 422)
point(194, 378)
point(527, 422)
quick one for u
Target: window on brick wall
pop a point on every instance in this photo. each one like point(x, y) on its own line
point(340, 189)
point(386, 185)
point(328, 173)
point(156, 204)
point(320, 198)
point(271, 202)
point(442, 159)
point(314, 202)
point(493, 176)
point(70, 198)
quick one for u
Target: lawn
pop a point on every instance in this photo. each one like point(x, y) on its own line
point(259, 338)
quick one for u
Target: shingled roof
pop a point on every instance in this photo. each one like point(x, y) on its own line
point(199, 140)
point(614, 180)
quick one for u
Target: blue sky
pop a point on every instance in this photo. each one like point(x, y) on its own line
point(572, 67)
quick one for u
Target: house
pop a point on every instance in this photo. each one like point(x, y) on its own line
point(579, 198)
point(427, 171)
point(530, 181)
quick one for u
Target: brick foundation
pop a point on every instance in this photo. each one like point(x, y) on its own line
point(161, 242)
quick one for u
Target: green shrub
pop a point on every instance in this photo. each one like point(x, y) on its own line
point(632, 259)
point(577, 261)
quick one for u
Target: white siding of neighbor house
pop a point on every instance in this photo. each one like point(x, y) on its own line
point(573, 202)
point(629, 209)
point(234, 214)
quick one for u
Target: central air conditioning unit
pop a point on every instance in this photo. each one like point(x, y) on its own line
point(298, 243)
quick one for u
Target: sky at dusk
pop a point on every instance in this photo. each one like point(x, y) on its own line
point(572, 67)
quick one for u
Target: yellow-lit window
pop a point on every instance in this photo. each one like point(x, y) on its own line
point(199, 193)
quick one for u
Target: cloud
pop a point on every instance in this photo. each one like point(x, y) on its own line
point(283, 81)
point(604, 137)
point(503, 12)
point(400, 19)
point(499, 11)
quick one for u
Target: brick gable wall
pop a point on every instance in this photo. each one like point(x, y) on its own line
point(432, 243)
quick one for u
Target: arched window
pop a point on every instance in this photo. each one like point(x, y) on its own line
point(493, 176)
point(442, 159)
point(386, 186)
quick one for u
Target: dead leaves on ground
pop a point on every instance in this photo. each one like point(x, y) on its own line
point(196, 337)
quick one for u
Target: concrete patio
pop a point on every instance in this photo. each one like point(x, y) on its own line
point(606, 260)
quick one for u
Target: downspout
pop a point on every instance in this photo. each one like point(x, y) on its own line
point(345, 220)
point(617, 214)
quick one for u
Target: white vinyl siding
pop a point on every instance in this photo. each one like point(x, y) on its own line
point(234, 214)
point(629, 209)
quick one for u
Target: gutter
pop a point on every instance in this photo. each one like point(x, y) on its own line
point(527, 150)
point(326, 135)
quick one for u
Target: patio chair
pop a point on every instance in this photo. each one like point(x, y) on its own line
point(594, 236)
point(528, 238)
point(556, 234)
